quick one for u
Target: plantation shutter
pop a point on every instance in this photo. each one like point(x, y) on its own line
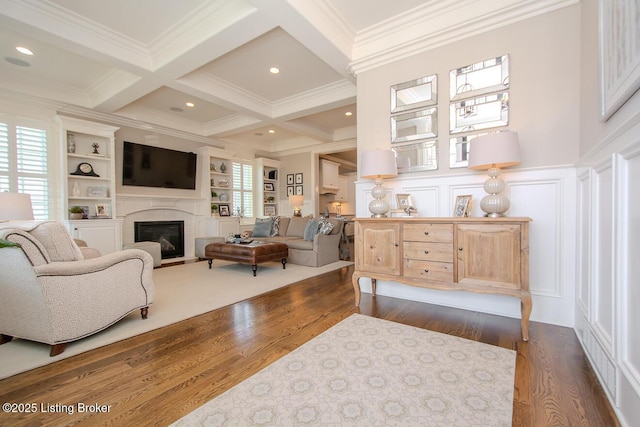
point(243, 189)
point(23, 165)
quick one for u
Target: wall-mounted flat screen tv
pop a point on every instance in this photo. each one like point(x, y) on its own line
point(147, 166)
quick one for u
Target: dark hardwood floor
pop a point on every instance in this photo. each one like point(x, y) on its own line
point(157, 377)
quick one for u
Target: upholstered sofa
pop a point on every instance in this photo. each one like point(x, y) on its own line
point(54, 292)
point(319, 249)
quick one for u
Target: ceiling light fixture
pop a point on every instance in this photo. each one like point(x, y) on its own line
point(272, 131)
point(190, 104)
point(24, 50)
point(274, 70)
point(348, 113)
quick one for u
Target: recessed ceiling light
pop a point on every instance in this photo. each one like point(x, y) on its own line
point(274, 70)
point(258, 134)
point(348, 113)
point(176, 109)
point(24, 50)
point(16, 61)
point(272, 131)
point(190, 104)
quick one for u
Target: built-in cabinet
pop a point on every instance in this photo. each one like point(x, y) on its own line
point(267, 199)
point(220, 226)
point(480, 255)
point(217, 185)
point(88, 161)
point(105, 236)
point(329, 177)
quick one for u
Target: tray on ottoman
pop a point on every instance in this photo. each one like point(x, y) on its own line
point(253, 253)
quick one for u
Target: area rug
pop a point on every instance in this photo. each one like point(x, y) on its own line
point(371, 372)
point(182, 291)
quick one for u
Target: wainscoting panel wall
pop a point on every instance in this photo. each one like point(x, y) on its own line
point(627, 265)
point(608, 270)
point(547, 196)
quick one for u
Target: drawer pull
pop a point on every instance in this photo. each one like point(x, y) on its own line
point(426, 270)
point(426, 252)
point(396, 245)
point(460, 248)
point(426, 233)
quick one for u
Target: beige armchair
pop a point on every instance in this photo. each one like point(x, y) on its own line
point(50, 293)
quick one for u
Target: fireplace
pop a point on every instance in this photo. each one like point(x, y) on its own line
point(170, 235)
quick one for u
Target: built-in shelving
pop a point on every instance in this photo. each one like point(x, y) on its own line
point(268, 189)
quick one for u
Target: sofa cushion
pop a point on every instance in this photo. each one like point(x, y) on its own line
point(296, 226)
point(325, 226)
point(284, 224)
point(310, 230)
point(275, 226)
point(262, 227)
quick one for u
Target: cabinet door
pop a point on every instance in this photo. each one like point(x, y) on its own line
point(489, 255)
point(378, 249)
point(330, 175)
point(99, 235)
point(228, 226)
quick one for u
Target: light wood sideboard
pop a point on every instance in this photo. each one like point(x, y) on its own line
point(483, 255)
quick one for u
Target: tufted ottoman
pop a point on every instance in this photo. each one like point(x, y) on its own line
point(152, 248)
point(252, 253)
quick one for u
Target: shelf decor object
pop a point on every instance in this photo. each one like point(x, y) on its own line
point(492, 152)
point(378, 165)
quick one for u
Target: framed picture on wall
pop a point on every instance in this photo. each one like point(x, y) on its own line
point(298, 190)
point(290, 179)
point(299, 178)
point(291, 190)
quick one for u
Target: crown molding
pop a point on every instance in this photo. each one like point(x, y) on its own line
point(340, 92)
point(201, 24)
point(51, 19)
point(231, 125)
point(218, 91)
point(136, 124)
point(437, 24)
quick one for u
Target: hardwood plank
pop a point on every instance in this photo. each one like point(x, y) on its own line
point(157, 377)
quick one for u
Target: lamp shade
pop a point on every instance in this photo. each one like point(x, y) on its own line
point(379, 164)
point(500, 149)
point(296, 200)
point(15, 206)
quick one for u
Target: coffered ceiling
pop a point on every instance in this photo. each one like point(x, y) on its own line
point(138, 62)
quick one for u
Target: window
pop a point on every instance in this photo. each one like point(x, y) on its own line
point(23, 164)
point(243, 189)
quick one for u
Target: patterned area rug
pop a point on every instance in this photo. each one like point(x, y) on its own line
point(371, 372)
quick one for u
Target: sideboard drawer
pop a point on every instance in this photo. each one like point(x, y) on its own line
point(439, 271)
point(427, 232)
point(442, 252)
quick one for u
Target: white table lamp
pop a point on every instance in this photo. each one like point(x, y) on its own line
point(15, 206)
point(296, 201)
point(378, 165)
point(492, 152)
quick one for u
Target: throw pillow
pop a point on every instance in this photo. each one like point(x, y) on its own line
point(324, 226)
point(275, 227)
point(262, 227)
point(310, 230)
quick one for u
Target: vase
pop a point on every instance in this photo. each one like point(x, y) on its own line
point(223, 167)
point(75, 191)
point(71, 143)
point(76, 216)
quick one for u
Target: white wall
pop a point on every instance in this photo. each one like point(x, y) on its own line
point(608, 273)
point(544, 110)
